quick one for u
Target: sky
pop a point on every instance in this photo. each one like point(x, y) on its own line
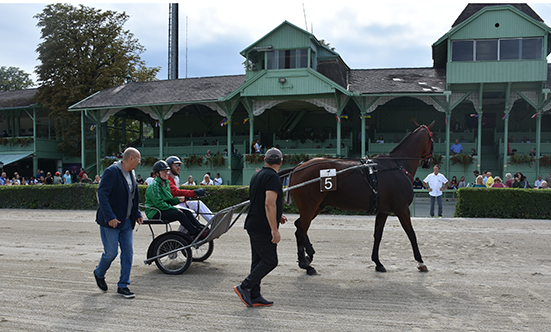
point(366, 34)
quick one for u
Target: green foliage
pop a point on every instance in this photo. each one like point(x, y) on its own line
point(216, 160)
point(462, 158)
point(437, 159)
point(193, 160)
point(503, 203)
point(545, 161)
point(83, 50)
point(61, 197)
point(13, 78)
point(522, 159)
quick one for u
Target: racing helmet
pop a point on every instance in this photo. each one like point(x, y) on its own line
point(173, 159)
point(160, 165)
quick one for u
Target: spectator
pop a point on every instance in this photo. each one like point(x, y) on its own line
point(16, 180)
point(453, 183)
point(509, 181)
point(537, 183)
point(139, 179)
point(206, 181)
point(489, 180)
point(208, 155)
point(532, 153)
point(57, 178)
point(457, 147)
point(462, 140)
point(497, 183)
point(81, 174)
point(479, 182)
point(525, 140)
point(417, 184)
point(49, 178)
point(205, 142)
point(3, 178)
point(97, 179)
point(380, 140)
point(520, 181)
point(66, 177)
point(548, 178)
point(23, 181)
point(218, 180)
point(190, 181)
point(462, 183)
point(396, 140)
point(5, 134)
point(473, 152)
point(150, 178)
point(476, 174)
point(544, 185)
point(435, 182)
point(485, 176)
point(86, 179)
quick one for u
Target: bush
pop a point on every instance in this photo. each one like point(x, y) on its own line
point(503, 203)
point(61, 197)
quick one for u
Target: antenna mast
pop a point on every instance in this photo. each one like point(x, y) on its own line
point(186, 46)
point(305, 22)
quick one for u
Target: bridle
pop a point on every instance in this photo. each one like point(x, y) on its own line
point(427, 154)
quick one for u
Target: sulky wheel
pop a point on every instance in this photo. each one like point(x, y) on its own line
point(202, 252)
point(177, 262)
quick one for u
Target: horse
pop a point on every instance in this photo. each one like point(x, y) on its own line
point(355, 191)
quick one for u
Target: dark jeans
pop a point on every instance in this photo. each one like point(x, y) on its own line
point(185, 218)
point(264, 260)
point(439, 199)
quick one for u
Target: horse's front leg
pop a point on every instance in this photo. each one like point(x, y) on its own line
point(405, 221)
point(380, 221)
point(304, 246)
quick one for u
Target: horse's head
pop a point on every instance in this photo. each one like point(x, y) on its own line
point(428, 145)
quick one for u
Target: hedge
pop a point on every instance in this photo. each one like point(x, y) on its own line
point(83, 197)
point(506, 203)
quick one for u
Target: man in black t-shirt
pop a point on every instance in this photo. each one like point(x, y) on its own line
point(262, 225)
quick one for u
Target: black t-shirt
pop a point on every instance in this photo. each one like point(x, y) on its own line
point(262, 181)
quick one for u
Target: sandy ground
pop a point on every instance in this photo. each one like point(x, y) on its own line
point(485, 275)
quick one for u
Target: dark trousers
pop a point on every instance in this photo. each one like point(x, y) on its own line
point(264, 260)
point(185, 218)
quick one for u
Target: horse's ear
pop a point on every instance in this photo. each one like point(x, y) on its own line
point(431, 125)
point(416, 123)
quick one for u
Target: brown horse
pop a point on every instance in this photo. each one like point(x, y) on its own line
point(355, 192)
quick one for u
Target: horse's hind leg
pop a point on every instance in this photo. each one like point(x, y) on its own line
point(380, 221)
point(304, 246)
point(405, 220)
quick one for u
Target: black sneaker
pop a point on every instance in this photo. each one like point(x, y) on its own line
point(100, 282)
point(244, 295)
point(261, 302)
point(126, 293)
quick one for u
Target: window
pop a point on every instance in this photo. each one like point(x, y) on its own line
point(462, 50)
point(302, 58)
point(497, 49)
point(532, 48)
point(486, 50)
point(287, 59)
point(509, 49)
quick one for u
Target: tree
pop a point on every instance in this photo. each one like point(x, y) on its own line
point(13, 78)
point(83, 50)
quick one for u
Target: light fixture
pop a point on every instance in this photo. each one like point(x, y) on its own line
point(282, 80)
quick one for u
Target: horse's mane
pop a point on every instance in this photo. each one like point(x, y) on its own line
point(403, 140)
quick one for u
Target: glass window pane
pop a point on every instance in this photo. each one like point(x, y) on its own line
point(271, 60)
point(287, 59)
point(486, 50)
point(509, 49)
point(462, 50)
point(532, 48)
point(302, 58)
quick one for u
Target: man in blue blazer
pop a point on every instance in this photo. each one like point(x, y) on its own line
point(118, 212)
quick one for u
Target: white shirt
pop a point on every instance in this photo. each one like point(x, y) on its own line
point(206, 184)
point(149, 180)
point(218, 181)
point(435, 182)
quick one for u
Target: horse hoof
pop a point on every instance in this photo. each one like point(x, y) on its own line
point(422, 267)
point(311, 271)
point(303, 265)
point(380, 268)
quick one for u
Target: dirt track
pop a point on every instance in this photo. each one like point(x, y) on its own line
point(485, 275)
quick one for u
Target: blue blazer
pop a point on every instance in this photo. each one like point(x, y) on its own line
point(113, 198)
